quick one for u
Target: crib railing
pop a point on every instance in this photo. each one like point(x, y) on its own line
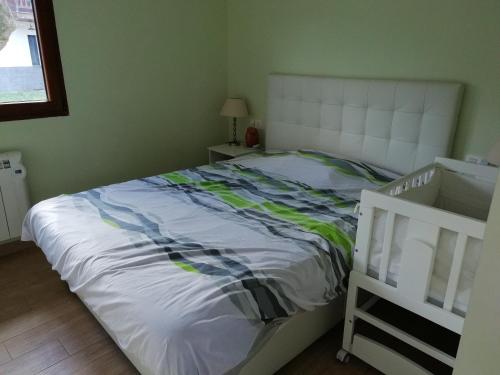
point(417, 262)
point(420, 186)
point(413, 181)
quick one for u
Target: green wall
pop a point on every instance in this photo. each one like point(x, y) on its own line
point(455, 40)
point(145, 81)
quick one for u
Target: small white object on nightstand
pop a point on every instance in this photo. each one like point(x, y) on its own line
point(226, 152)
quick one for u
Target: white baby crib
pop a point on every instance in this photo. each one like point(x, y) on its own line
point(418, 244)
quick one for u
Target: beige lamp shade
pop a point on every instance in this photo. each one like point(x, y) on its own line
point(234, 107)
point(494, 155)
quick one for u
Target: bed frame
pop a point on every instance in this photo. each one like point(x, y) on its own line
point(412, 197)
point(397, 124)
point(295, 336)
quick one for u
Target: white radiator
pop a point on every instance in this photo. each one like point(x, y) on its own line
point(14, 200)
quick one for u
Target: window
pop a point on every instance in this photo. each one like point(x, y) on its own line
point(31, 77)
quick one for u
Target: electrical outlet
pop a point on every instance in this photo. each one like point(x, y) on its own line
point(474, 159)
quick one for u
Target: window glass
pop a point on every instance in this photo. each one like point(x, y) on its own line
point(21, 71)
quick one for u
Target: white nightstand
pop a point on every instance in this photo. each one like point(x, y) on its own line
point(226, 152)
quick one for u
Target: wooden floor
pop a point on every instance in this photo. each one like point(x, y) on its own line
point(45, 329)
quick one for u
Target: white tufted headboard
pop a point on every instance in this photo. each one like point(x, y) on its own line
point(398, 125)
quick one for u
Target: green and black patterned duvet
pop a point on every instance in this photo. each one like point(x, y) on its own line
point(192, 270)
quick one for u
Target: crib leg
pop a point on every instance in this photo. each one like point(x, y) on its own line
point(343, 356)
point(352, 296)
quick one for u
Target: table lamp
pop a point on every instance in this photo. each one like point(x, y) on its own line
point(235, 108)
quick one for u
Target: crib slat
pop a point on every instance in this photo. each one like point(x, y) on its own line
point(456, 268)
point(386, 247)
point(417, 259)
point(363, 238)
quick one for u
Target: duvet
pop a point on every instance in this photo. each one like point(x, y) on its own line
point(191, 271)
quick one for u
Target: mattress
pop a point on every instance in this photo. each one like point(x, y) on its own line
point(192, 271)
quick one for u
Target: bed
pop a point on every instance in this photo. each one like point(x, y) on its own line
point(211, 269)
